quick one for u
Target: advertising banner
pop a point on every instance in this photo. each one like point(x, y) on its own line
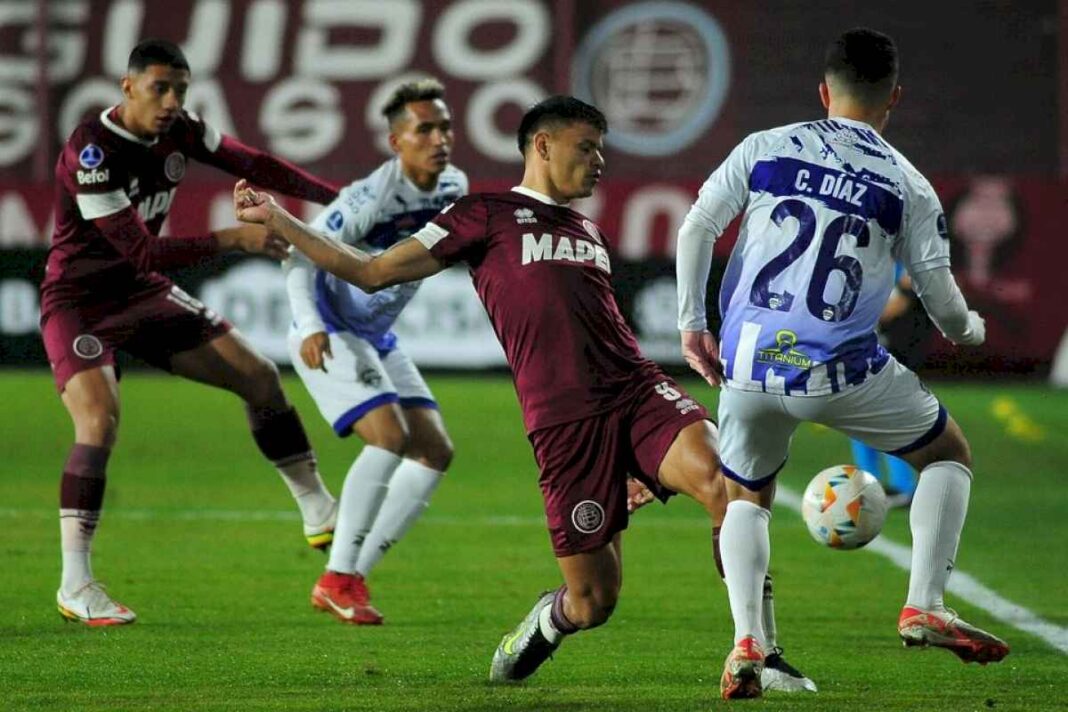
point(1006, 250)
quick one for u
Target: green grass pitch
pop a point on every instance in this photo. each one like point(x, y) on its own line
point(200, 538)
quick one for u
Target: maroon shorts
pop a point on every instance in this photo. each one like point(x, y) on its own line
point(152, 324)
point(584, 463)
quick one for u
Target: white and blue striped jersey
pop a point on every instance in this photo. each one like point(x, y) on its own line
point(829, 208)
point(372, 214)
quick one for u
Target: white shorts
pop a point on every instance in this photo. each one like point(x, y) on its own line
point(357, 380)
point(891, 411)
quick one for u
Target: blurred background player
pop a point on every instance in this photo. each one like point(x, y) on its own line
point(115, 183)
point(595, 409)
point(829, 206)
point(348, 357)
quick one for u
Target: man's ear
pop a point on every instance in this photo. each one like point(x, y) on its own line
point(825, 95)
point(541, 144)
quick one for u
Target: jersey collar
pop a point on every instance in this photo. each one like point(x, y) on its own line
point(115, 128)
point(853, 122)
point(540, 197)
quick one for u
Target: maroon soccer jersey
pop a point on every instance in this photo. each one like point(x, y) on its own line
point(113, 191)
point(543, 273)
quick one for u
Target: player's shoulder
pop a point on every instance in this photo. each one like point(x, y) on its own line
point(192, 134)
point(497, 203)
point(472, 202)
point(92, 131)
point(767, 138)
point(913, 182)
point(452, 179)
point(367, 191)
point(92, 154)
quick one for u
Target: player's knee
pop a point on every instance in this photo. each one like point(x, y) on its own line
point(393, 437)
point(97, 427)
point(435, 453)
point(711, 493)
point(592, 606)
point(263, 386)
point(951, 446)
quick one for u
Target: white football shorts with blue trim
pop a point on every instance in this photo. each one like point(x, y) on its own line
point(891, 411)
point(358, 379)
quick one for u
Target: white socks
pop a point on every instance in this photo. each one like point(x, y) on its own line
point(409, 494)
point(936, 519)
point(361, 497)
point(76, 529)
point(746, 549)
point(548, 630)
point(301, 475)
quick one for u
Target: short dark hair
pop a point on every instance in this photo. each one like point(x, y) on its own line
point(865, 61)
point(409, 93)
point(557, 110)
point(153, 51)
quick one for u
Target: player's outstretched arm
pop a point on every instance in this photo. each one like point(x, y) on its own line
point(253, 240)
point(407, 261)
point(269, 171)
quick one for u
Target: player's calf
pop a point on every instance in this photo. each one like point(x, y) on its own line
point(280, 436)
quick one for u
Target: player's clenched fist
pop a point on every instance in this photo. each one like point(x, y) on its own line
point(251, 206)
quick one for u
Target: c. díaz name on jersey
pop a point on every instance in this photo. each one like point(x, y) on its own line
point(849, 194)
point(564, 249)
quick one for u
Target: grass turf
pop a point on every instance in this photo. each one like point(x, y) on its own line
point(201, 539)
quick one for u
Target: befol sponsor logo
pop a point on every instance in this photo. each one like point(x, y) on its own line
point(93, 177)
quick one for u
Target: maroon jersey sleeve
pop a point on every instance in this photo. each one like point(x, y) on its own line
point(458, 233)
point(128, 234)
point(227, 153)
point(93, 176)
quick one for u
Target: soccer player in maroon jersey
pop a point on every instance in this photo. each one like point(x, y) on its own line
point(102, 291)
point(595, 409)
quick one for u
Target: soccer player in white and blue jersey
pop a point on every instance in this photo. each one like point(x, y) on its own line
point(344, 350)
point(829, 206)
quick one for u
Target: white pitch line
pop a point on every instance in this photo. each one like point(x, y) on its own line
point(960, 583)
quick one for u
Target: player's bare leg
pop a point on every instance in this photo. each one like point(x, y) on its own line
point(937, 517)
point(592, 581)
point(92, 399)
point(229, 362)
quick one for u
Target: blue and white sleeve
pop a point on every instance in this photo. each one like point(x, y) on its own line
point(722, 197)
point(347, 219)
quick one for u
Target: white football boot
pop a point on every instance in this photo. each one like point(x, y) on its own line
point(781, 676)
point(91, 605)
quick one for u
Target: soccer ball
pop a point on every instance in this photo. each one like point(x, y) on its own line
point(844, 507)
